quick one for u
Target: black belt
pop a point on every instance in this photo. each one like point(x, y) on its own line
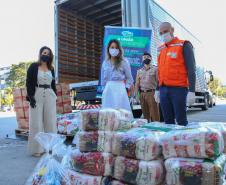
point(150, 90)
point(44, 86)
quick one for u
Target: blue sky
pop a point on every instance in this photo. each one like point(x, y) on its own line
point(26, 25)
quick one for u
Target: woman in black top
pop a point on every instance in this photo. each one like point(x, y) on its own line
point(41, 93)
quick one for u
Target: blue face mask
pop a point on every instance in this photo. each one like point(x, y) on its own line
point(166, 37)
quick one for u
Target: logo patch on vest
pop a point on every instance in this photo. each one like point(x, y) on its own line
point(172, 54)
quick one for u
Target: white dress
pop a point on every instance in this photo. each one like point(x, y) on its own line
point(116, 81)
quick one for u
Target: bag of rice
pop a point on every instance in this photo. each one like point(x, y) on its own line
point(187, 171)
point(92, 163)
point(84, 179)
point(113, 120)
point(94, 141)
point(137, 143)
point(139, 172)
point(221, 127)
point(89, 120)
point(201, 142)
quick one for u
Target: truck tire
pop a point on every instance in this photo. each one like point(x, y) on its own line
point(211, 104)
point(206, 104)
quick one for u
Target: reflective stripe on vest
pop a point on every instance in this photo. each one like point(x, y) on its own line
point(171, 67)
point(178, 44)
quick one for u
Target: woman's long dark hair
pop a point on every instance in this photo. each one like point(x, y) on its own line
point(50, 63)
point(120, 55)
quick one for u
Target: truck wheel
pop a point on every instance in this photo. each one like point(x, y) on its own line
point(211, 104)
point(206, 104)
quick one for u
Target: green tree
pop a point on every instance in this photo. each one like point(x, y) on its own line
point(17, 75)
point(16, 79)
point(222, 92)
point(7, 98)
point(215, 85)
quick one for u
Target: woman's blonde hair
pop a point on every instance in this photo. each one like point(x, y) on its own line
point(120, 58)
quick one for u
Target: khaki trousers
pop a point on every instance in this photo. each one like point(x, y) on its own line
point(149, 107)
point(42, 118)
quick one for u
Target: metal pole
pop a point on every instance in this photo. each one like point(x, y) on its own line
point(1, 94)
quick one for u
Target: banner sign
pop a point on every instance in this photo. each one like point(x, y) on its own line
point(134, 41)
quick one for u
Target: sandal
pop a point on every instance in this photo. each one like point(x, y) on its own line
point(38, 154)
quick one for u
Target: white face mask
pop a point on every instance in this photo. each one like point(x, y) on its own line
point(166, 37)
point(113, 52)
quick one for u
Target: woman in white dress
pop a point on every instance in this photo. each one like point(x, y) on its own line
point(116, 77)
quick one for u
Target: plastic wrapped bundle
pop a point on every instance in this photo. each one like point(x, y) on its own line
point(94, 141)
point(69, 127)
point(112, 120)
point(137, 143)
point(157, 126)
point(126, 114)
point(59, 117)
point(69, 116)
point(115, 182)
point(92, 163)
point(84, 179)
point(49, 171)
point(183, 171)
point(68, 123)
point(202, 142)
point(221, 127)
point(89, 120)
point(73, 115)
point(139, 122)
point(139, 172)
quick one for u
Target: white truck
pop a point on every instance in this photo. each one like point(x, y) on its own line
point(79, 33)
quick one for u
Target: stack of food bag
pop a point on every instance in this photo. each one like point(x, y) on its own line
point(92, 158)
point(137, 158)
point(106, 155)
point(98, 127)
point(68, 124)
point(194, 155)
